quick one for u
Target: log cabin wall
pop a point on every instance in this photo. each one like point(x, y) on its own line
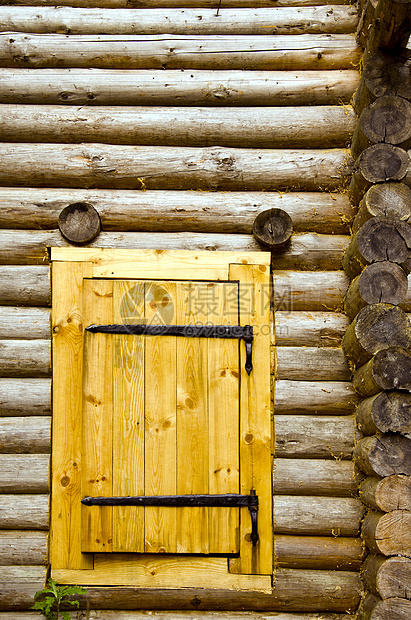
point(179, 127)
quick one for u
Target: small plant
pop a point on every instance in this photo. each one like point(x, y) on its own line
point(51, 598)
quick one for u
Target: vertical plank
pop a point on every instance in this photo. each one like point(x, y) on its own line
point(97, 437)
point(160, 418)
point(255, 424)
point(67, 282)
point(128, 417)
point(223, 388)
point(192, 419)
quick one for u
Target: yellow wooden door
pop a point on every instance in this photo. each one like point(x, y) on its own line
point(161, 416)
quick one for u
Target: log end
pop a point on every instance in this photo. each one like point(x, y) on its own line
point(79, 223)
point(273, 228)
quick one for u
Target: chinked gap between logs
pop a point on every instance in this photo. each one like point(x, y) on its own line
point(242, 332)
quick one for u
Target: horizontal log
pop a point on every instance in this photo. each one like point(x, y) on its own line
point(24, 473)
point(387, 494)
point(306, 250)
point(389, 533)
point(21, 435)
point(322, 516)
point(385, 412)
point(313, 329)
point(384, 455)
point(18, 585)
point(317, 290)
point(315, 477)
point(23, 397)
point(25, 358)
point(289, 52)
point(314, 437)
point(28, 286)
point(310, 364)
point(161, 167)
point(26, 323)
point(226, 4)
point(314, 397)
point(106, 614)
point(268, 127)
point(373, 608)
point(389, 369)
point(20, 512)
point(207, 88)
point(391, 199)
point(24, 547)
point(320, 552)
point(387, 577)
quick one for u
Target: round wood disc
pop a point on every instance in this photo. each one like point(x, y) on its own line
point(273, 228)
point(79, 222)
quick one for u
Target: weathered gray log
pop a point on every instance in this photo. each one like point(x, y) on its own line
point(106, 614)
point(314, 397)
point(298, 52)
point(388, 533)
point(390, 199)
point(379, 239)
point(379, 282)
point(391, 27)
point(310, 329)
point(310, 364)
point(322, 516)
point(320, 552)
point(387, 494)
point(384, 455)
point(267, 127)
point(23, 397)
point(205, 88)
point(314, 437)
point(24, 473)
point(162, 167)
point(317, 290)
point(387, 577)
point(376, 327)
point(283, 20)
point(24, 323)
point(19, 512)
point(25, 434)
point(373, 608)
point(28, 286)
point(25, 547)
point(226, 4)
point(389, 369)
point(25, 358)
point(174, 211)
point(328, 478)
point(385, 412)
point(18, 585)
point(387, 120)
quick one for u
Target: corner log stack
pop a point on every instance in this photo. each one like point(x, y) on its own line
point(377, 343)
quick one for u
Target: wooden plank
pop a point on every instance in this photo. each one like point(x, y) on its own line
point(67, 323)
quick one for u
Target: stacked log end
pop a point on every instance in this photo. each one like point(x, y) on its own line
point(377, 343)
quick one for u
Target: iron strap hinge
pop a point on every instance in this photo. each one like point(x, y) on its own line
point(242, 332)
point(230, 500)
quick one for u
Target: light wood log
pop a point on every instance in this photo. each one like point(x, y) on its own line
point(314, 397)
point(24, 473)
point(391, 27)
point(389, 369)
point(173, 211)
point(18, 585)
point(389, 533)
point(317, 290)
point(23, 397)
point(317, 516)
point(321, 552)
point(282, 20)
point(226, 4)
point(25, 547)
point(376, 327)
point(387, 577)
point(150, 167)
point(314, 437)
point(312, 329)
point(310, 364)
point(25, 358)
point(210, 88)
point(373, 608)
point(384, 455)
point(263, 127)
point(385, 412)
point(24, 323)
point(379, 282)
point(315, 477)
point(25, 434)
point(19, 512)
point(390, 199)
point(387, 494)
point(289, 52)
point(28, 286)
